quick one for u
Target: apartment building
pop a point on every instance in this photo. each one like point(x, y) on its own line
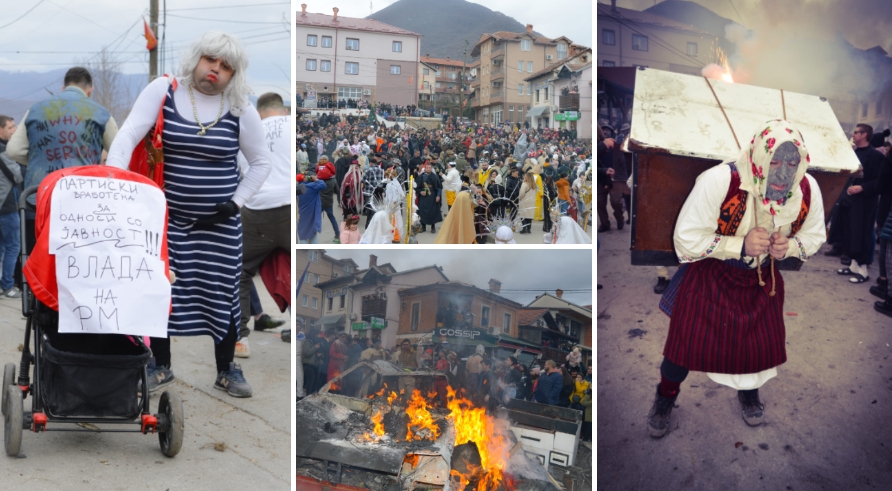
point(350, 58)
point(561, 95)
point(632, 38)
point(308, 306)
point(441, 80)
point(506, 59)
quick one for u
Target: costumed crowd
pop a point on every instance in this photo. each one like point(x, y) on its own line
point(495, 181)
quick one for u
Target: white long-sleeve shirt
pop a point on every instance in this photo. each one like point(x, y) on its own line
point(452, 181)
point(695, 232)
point(144, 114)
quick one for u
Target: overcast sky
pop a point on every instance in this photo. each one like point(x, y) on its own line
point(537, 271)
point(42, 35)
point(551, 18)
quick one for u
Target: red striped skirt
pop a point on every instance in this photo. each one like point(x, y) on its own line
point(724, 322)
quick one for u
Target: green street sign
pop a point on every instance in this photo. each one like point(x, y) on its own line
point(559, 117)
point(360, 326)
point(571, 116)
point(378, 323)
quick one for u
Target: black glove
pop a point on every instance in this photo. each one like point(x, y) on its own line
point(224, 211)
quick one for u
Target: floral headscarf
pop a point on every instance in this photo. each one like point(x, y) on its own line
point(754, 162)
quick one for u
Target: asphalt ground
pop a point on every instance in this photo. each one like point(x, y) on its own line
point(826, 423)
point(229, 443)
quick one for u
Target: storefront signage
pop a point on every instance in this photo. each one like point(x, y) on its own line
point(458, 333)
point(360, 326)
point(378, 323)
point(337, 292)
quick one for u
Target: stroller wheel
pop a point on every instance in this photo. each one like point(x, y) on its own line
point(171, 408)
point(8, 377)
point(12, 422)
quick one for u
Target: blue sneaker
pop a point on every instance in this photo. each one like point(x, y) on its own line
point(233, 382)
point(159, 377)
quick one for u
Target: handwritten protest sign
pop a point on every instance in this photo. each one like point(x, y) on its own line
point(107, 237)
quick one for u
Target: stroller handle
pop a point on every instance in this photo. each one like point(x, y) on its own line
point(23, 199)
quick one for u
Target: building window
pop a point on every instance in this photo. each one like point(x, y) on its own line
point(426, 71)
point(506, 323)
point(692, 49)
point(304, 301)
point(325, 66)
point(524, 44)
point(315, 279)
point(450, 86)
point(530, 66)
point(864, 110)
point(546, 93)
point(519, 112)
point(352, 44)
point(452, 76)
point(343, 299)
point(607, 63)
point(426, 86)
point(326, 41)
point(880, 107)
point(484, 317)
point(395, 69)
point(348, 268)
point(639, 42)
point(438, 73)
point(519, 65)
point(313, 255)
point(608, 36)
point(561, 51)
point(438, 85)
point(349, 93)
point(351, 68)
point(311, 65)
point(397, 47)
point(330, 303)
point(311, 40)
point(511, 113)
point(314, 303)
point(416, 315)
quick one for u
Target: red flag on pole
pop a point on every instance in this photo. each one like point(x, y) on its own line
point(151, 41)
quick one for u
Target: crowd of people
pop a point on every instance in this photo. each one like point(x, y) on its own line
point(484, 379)
point(226, 176)
point(487, 175)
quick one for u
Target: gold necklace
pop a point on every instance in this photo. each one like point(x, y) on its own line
point(204, 129)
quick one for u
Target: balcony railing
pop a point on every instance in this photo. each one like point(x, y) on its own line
point(497, 48)
point(569, 102)
point(497, 72)
point(497, 95)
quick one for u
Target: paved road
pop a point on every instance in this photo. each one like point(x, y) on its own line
point(256, 431)
point(536, 237)
point(827, 413)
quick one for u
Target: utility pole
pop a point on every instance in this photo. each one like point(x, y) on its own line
point(153, 25)
point(461, 88)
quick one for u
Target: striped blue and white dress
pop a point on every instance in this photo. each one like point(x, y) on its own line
point(200, 172)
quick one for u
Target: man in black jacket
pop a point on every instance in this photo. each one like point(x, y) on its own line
point(859, 209)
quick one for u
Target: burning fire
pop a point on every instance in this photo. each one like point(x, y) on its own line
point(473, 425)
point(380, 393)
point(719, 72)
point(392, 397)
point(378, 421)
point(420, 418)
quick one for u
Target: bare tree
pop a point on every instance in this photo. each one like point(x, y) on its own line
point(110, 88)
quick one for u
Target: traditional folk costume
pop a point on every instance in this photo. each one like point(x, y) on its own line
point(351, 190)
point(726, 319)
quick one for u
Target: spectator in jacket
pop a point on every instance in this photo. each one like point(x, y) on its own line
point(486, 392)
point(511, 377)
point(524, 384)
point(580, 386)
point(548, 388)
point(325, 172)
point(311, 360)
point(309, 207)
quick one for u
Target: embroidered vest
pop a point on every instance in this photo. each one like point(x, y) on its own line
point(734, 206)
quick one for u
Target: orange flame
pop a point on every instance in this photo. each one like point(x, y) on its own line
point(420, 418)
point(473, 425)
point(380, 393)
point(378, 421)
point(392, 397)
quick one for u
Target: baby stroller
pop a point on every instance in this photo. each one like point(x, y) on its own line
point(81, 381)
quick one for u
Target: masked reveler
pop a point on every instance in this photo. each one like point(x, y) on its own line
point(726, 318)
point(207, 119)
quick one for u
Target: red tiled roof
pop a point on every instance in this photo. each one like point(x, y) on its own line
point(526, 317)
point(323, 20)
point(517, 35)
point(568, 61)
point(440, 61)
